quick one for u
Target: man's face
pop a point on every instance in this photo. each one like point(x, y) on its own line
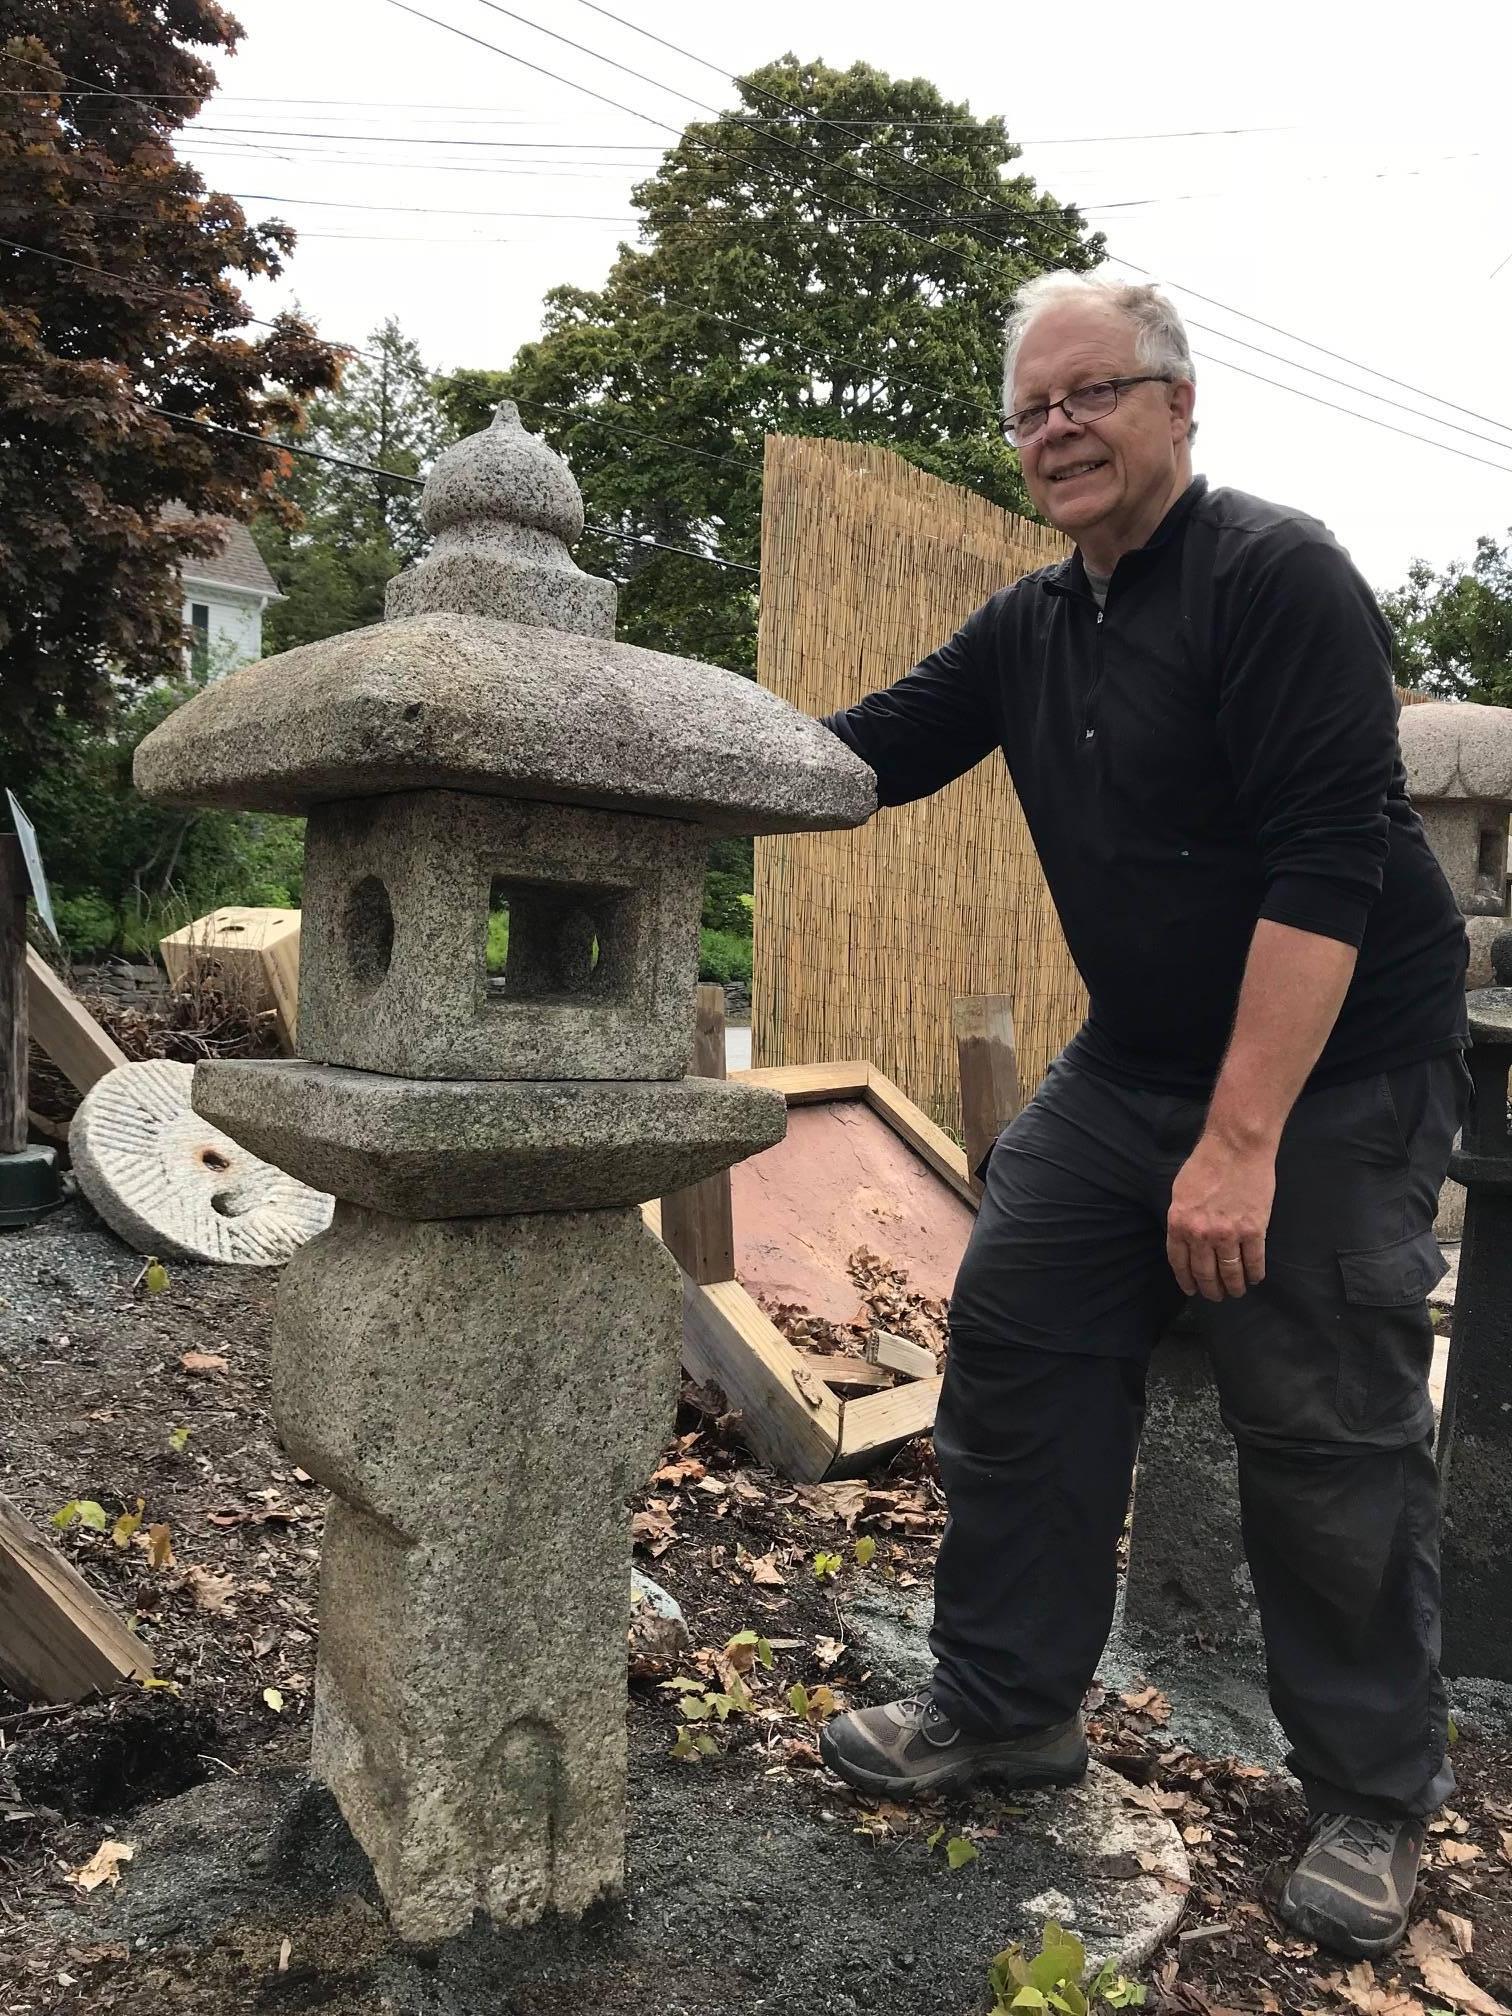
point(1115, 476)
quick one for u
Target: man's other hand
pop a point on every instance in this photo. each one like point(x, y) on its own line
point(1220, 1208)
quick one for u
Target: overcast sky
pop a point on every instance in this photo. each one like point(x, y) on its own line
point(1365, 208)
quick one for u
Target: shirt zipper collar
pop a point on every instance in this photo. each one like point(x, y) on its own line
point(1070, 577)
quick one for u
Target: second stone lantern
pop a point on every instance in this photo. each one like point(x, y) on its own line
point(479, 1358)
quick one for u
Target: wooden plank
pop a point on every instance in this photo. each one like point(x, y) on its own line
point(790, 1418)
point(810, 1084)
point(870, 1427)
point(988, 1062)
point(698, 1225)
point(920, 1132)
point(897, 1354)
point(65, 1028)
point(836, 1369)
point(58, 1640)
point(13, 1034)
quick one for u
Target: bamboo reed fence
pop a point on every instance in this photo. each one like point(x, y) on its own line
point(863, 939)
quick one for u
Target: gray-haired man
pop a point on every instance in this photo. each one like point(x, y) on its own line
point(1198, 713)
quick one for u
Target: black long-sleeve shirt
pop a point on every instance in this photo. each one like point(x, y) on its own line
point(1216, 745)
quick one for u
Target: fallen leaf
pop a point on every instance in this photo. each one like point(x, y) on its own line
point(203, 1361)
point(1460, 1930)
point(274, 1699)
point(211, 1592)
point(684, 1470)
point(286, 1947)
point(1504, 1835)
point(127, 1524)
point(653, 1529)
point(828, 1650)
point(104, 1866)
point(1459, 1851)
point(160, 1546)
point(1358, 1988)
point(763, 1569)
point(1443, 1975)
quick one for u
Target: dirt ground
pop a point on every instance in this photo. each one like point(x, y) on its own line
point(756, 1880)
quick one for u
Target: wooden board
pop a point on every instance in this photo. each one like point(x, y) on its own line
point(58, 1640)
point(257, 949)
point(791, 1418)
point(697, 1225)
point(803, 1084)
point(836, 1369)
point(988, 1062)
point(65, 1028)
point(871, 1426)
point(898, 1354)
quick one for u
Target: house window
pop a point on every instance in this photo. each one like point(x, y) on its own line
point(199, 637)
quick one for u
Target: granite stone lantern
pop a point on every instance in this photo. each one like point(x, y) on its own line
point(479, 1358)
point(1459, 771)
point(1458, 758)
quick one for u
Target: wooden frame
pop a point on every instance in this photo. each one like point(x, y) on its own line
point(792, 1416)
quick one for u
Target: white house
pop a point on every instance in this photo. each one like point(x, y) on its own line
point(224, 599)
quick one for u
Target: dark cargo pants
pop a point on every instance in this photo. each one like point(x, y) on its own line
point(1322, 1377)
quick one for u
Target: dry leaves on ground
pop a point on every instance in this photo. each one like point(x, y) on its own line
point(104, 1866)
point(211, 1592)
point(1442, 1974)
point(653, 1528)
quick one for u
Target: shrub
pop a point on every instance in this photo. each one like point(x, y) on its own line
point(724, 956)
point(725, 903)
point(148, 868)
point(87, 924)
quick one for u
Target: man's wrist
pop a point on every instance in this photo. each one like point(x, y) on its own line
point(1242, 1133)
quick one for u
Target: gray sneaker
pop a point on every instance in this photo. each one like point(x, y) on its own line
point(1352, 1888)
point(912, 1746)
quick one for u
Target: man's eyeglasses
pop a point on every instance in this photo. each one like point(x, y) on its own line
point(1087, 402)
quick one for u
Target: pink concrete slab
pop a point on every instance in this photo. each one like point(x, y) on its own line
point(842, 1179)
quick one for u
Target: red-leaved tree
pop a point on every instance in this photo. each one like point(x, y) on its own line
point(119, 306)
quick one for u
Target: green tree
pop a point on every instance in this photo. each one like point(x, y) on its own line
point(777, 292)
point(124, 871)
point(118, 305)
point(351, 533)
point(1453, 629)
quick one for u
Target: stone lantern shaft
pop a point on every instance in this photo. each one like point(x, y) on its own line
point(479, 1358)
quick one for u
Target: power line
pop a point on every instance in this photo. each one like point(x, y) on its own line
point(1323, 351)
point(938, 391)
point(412, 139)
point(427, 209)
point(590, 419)
point(471, 105)
point(418, 483)
point(1228, 308)
point(807, 118)
point(1042, 215)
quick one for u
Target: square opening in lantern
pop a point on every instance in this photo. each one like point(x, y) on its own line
point(562, 942)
